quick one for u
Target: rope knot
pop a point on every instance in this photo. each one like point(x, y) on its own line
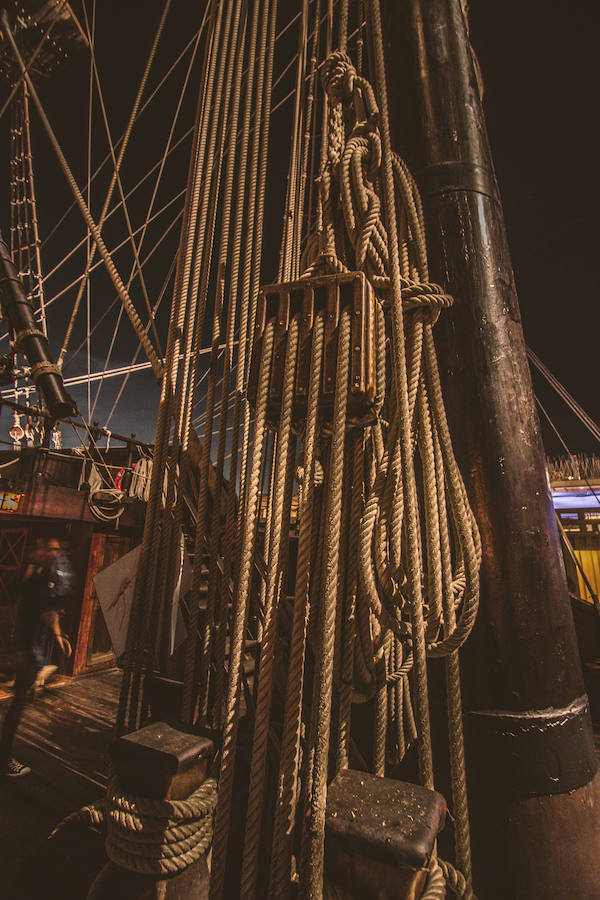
point(426, 296)
point(338, 76)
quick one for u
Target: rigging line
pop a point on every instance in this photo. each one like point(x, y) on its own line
point(304, 144)
point(293, 59)
point(292, 92)
point(144, 178)
point(80, 244)
point(564, 445)
point(116, 299)
point(108, 356)
point(151, 319)
point(581, 414)
point(116, 172)
point(146, 366)
point(202, 400)
point(343, 26)
point(116, 164)
point(115, 208)
point(167, 150)
point(112, 271)
point(132, 369)
point(150, 207)
point(289, 24)
point(141, 111)
point(93, 377)
point(115, 181)
point(199, 420)
point(137, 350)
point(93, 444)
point(113, 251)
point(89, 194)
point(309, 110)
point(290, 206)
point(32, 58)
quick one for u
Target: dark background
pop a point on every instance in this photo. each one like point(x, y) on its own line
point(538, 62)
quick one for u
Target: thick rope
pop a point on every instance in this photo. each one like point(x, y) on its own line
point(290, 743)
point(314, 826)
point(153, 837)
point(238, 629)
point(267, 650)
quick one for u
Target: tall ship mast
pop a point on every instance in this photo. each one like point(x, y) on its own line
point(349, 666)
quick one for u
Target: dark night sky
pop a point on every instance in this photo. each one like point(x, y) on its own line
point(539, 68)
point(539, 64)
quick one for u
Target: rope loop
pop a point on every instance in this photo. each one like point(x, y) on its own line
point(455, 880)
point(25, 333)
point(338, 76)
point(43, 368)
point(435, 889)
point(159, 836)
point(153, 837)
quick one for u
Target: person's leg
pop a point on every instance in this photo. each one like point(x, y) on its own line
point(24, 678)
point(41, 651)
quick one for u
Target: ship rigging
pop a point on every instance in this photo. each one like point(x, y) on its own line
point(303, 461)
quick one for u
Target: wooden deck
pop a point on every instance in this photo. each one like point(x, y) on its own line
point(64, 736)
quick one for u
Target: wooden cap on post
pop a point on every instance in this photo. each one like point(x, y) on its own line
point(380, 835)
point(158, 762)
point(161, 762)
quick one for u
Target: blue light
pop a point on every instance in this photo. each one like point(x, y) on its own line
point(576, 499)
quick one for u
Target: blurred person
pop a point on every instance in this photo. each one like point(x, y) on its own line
point(46, 582)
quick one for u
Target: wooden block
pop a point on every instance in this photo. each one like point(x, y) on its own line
point(379, 835)
point(161, 761)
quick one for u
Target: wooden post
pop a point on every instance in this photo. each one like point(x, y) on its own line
point(157, 762)
point(380, 836)
point(535, 803)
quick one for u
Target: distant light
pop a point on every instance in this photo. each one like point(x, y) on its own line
point(576, 499)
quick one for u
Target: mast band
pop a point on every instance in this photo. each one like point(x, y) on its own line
point(536, 753)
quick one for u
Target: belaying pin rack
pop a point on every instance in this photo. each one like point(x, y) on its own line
point(305, 298)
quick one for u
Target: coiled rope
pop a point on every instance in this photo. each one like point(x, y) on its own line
point(153, 837)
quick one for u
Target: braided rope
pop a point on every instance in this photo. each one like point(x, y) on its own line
point(154, 837)
point(455, 880)
point(288, 768)
point(433, 613)
point(435, 888)
point(238, 629)
point(267, 651)
point(314, 826)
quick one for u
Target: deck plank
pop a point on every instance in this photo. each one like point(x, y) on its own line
point(64, 736)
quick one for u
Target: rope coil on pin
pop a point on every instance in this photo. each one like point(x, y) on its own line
point(154, 837)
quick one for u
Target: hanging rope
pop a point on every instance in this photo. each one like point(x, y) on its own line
point(388, 552)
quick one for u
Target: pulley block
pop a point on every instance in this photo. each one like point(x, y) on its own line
point(329, 295)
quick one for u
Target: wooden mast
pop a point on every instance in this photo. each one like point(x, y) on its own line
point(535, 802)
